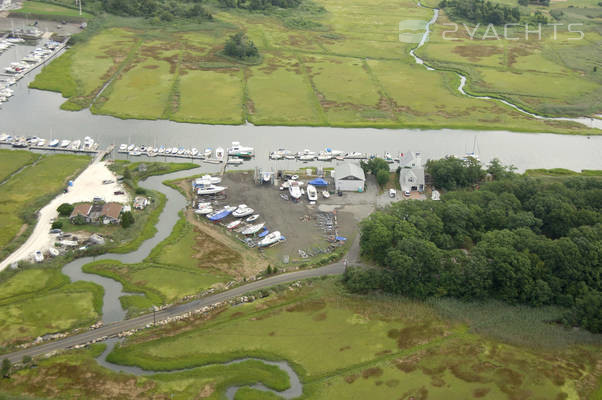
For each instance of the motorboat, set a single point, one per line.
(75, 144)
(53, 252)
(209, 188)
(41, 143)
(194, 152)
(242, 211)
(65, 143)
(207, 179)
(161, 149)
(220, 214)
(38, 256)
(266, 176)
(276, 156)
(307, 157)
(252, 229)
(3, 137)
(270, 239)
(235, 161)
(204, 210)
(219, 153)
(252, 218)
(135, 153)
(131, 147)
(207, 152)
(312, 193)
(88, 142)
(356, 155)
(325, 194)
(294, 190)
(240, 151)
(123, 147)
(53, 143)
(234, 224)
(280, 154)
(203, 205)
(324, 156)
(388, 157)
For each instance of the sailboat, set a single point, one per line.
(270, 239)
(251, 229)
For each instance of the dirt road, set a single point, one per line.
(85, 187)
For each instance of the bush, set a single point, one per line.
(127, 219)
(382, 177)
(65, 209)
(57, 225)
(79, 220)
(239, 46)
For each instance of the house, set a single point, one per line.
(81, 210)
(410, 160)
(111, 213)
(349, 177)
(140, 203)
(412, 179)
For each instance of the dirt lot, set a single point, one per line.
(297, 221)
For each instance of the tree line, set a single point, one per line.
(517, 239)
(481, 11)
(259, 4)
(165, 10)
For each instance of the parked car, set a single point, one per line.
(406, 193)
(118, 192)
(108, 181)
(59, 231)
(392, 192)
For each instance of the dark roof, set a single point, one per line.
(81, 209)
(111, 210)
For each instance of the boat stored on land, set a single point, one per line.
(251, 229)
(312, 193)
(270, 239)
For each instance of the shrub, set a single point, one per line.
(127, 219)
(57, 224)
(65, 209)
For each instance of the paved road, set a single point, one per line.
(141, 321)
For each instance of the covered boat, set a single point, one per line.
(270, 239)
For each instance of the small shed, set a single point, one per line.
(349, 177)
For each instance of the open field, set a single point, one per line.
(339, 65)
(41, 9)
(31, 189)
(38, 301)
(11, 161)
(342, 346)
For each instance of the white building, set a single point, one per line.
(349, 177)
(412, 179)
(410, 160)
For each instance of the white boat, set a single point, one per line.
(234, 161)
(3, 137)
(65, 143)
(54, 143)
(135, 153)
(53, 252)
(276, 156)
(325, 194)
(252, 218)
(194, 152)
(242, 211)
(307, 157)
(75, 144)
(324, 156)
(207, 152)
(123, 147)
(251, 229)
(41, 142)
(356, 155)
(219, 153)
(161, 150)
(211, 179)
(312, 193)
(270, 239)
(266, 176)
(38, 256)
(388, 157)
(88, 142)
(204, 211)
(240, 151)
(209, 188)
(294, 190)
(131, 147)
(234, 224)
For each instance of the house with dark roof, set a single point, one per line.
(81, 210)
(110, 213)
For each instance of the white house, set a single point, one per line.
(349, 177)
(412, 179)
(410, 160)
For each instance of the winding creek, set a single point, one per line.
(33, 112)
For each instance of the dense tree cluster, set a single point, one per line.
(164, 9)
(239, 46)
(481, 11)
(519, 240)
(379, 168)
(259, 4)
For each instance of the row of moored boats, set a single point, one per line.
(234, 154)
(88, 144)
(325, 155)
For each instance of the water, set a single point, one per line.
(295, 389)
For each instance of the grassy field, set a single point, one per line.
(330, 63)
(37, 301)
(29, 190)
(36, 8)
(342, 347)
(12, 161)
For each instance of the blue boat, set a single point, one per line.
(263, 233)
(219, 215)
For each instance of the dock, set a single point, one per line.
(56, 51)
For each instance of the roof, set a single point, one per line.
(81, 209)
(410, 159)
(111, 210)
(349, 170)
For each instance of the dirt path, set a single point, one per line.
(85, 187)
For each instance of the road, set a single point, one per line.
(143, 320)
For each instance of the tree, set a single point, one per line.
(79, 220)
(127, 219)
(57, 224)
(382, 177)
(6, 368)
(65, 209)
(26, 360)
(239, 46)
(523, 3)
(269, 270)
(127, 174)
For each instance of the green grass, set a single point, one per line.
(43, 9)
(247, 393)
(30, 190)
(328, 63)
(11, 161)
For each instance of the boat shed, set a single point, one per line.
(349, 177)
